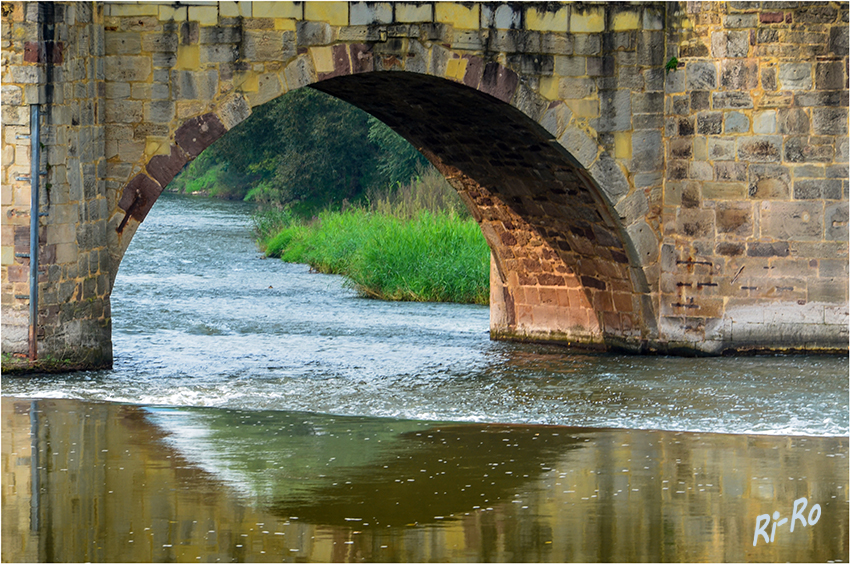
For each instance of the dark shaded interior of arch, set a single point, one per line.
(491, 143)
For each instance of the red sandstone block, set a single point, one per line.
(18, 273)
(771, 17)
(551, 280)
(564, 298)
(548, 296)
(611, 321)
(602, 301)
(623, 302)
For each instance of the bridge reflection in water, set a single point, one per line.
(124, 483)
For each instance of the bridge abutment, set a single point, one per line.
(665, 177)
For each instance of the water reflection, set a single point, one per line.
(107, 482)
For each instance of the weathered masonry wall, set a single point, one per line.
(630, 202)
(755, 190)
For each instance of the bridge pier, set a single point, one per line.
(668, 177)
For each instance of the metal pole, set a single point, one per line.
(34, 181)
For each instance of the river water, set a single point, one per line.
(258, 411)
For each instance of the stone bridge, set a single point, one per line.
(652, 177)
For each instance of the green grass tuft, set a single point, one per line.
(434, 257)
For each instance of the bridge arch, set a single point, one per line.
(564, 264)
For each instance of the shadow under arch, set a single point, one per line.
(563, 267)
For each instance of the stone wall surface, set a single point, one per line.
(631, 201)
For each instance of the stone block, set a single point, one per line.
(795, 76)
(189, 85)
(124, 111)
(830, 76)
(590, 19)
(369, 13)
(549, 18)
(768, 78)
(614, 111)
(580, 145)
(734, 218)
(632, 208)
(720, 149)
(778, 249)
(609, 177)
(199, 133)
(701, 75)
(835, 223)
(204, 15)
(760, 148)
(739, 74)
(827, 291)
(802, 149)
(769, 182)
(838, 40)
(829, 121)
(647, 151)
(764, 122)
(797, 221)
(793, 121)
(161, 111)
(695, 223)
(118, 43)
(817, 189)
(278, 9)
(159, 43)
(733, 44)
(219, 35)
(724, 190)
(682, 194)
(731, 100)
(645, 242)
(460, 16)
(236, 9)
(821, 98)
(587, 44)
(709, 123)
(126, 68)
(502, 16)
(736, 122)
(741, 20)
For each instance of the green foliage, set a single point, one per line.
(306, 151)
(432, 257)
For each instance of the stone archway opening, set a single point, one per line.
(561, 266)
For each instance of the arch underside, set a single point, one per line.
(560, 268)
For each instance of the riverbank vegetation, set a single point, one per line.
(339, 190)
(414, 243)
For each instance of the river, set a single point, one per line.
(259, 411)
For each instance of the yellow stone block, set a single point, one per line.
(458, 15)
(549, 87)
(7, 255)
(284, 24)
(626, 20)
(456, 68)
(622, 145)
(334, 13)
(323, 59)
(543, 20)
(412, 13)
(277, 10)
(140, 9)
(235, 9)
(247, 82)
(157, 146)
(188, 57)
(170, 13)
(591, 20)
(204, 15)
(584, 108)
